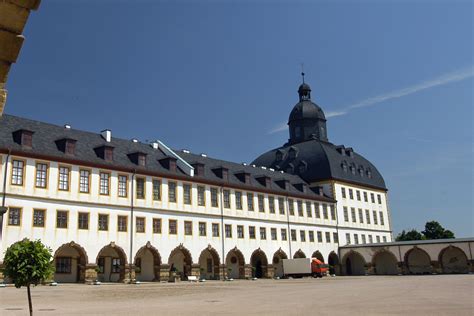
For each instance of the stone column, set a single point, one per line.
(248, 271)
(222, 272)
(91, 273)
(164, 272)
(270, 271)
(196, 270)
(436, 267)
(157, 272)
(370, 269)
(400, 268)
(129, 271)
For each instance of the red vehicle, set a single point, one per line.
(318, 268)
(301, 267)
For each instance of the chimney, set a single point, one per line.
(154, 145)
(107, 135)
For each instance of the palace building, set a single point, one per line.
(114, 209)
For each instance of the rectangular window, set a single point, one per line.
(156, 189)
(172, 227)
(316, 210)
(252, 232)
(325, 211)
(188, 228)
(84, 180)
(83, 221)
(240, 231)
(379, 199)
(250, 201)
(283, 234)
(263, 233)
(140, 188)
(17, 172)
(261, 203)
(293, 234)
(186, 193)
(281, 205)
(366, 199)
(228, 231)
(273, 232)
(384, 239)
(311, 236)
(328, 237)
(103, 222)
(63, 179)
(122, 186)
(302, 235)
(172, 192)
(382, 222)
(378, 239)
(41, 175)
(364, 241)
(116, 265)
(101, 264)
(309, 212)
(226, 194)
(202, 229)
(348, 238)
(361, 216)
(367, 216)
(122, 223)
(335, 237)
(343, 192)
(38, 218)
(371, 239)
(291, 207)
(238, 200)
(351, 194)
(299, 204)
(61, 219)
(215, 230)
(271, 204)
(63, 265)
(353, 214)
(346, 214)
(375, 217)
(320, 236)
(372, 197)
(214, 199)
(157, 226)
(358, 195)
(140, 224)
(333, 212)
(104, 183)
(201, 195)
(14, 216)
(356, 239)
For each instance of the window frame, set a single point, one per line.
(67, 218)
(79, 218)
(20, 214)
(46, 174)
(68, 177)
(119, 177)
(137, 219)
(33, 218)
(105, 185)
(14, 175)
(89, 172)
(99, 217)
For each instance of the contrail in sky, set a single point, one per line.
(438, 81)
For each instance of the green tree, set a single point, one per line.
(27, 263)
(410, 235)
(434, 230)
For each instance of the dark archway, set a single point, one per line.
(209, 264)
(318, 256)
(453, 260)
(111, 262)
(354, 263)
(235, 264)
(385, 263)
(418, 261)
(70, 261)
(333, 262)
(180, 259)
(278, 263)
(147, 263)
(259, 263)
(299, 254)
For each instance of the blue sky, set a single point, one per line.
(220, 77)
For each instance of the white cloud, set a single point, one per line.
(458, 75)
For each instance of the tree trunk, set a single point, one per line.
(29, 300)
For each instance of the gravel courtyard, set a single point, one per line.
(372, 295)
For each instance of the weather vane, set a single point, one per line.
(302, 71)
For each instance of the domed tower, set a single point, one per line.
(307, 120)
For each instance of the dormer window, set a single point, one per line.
(278, 156)
(265, 181)
(221, 172)
(292, 153)
(302, 167)
(198, 169)
(138, 158)
(67, 145)
(284, 184)
(105, 152)
(344, 166)
(23, 137)
(168, 163)
(301, 187)
(369, 173)
(353, 169)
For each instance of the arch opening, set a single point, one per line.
(259, 263)
(299, 254)
(278, 263)
(333, 262)
(209, 264)
(453, 260)
(235, 264)
(111, 262)
(147, 264)
(418, 261)
(354, 264)
(70, 263)
(180, 260)
(318, 256)
(385, 263)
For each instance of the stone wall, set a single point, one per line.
(13, 17)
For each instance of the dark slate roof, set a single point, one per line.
(323, 161)
(44, 144)
(306, 110)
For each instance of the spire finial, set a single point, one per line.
(302, 71)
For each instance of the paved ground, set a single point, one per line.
(372, 295)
